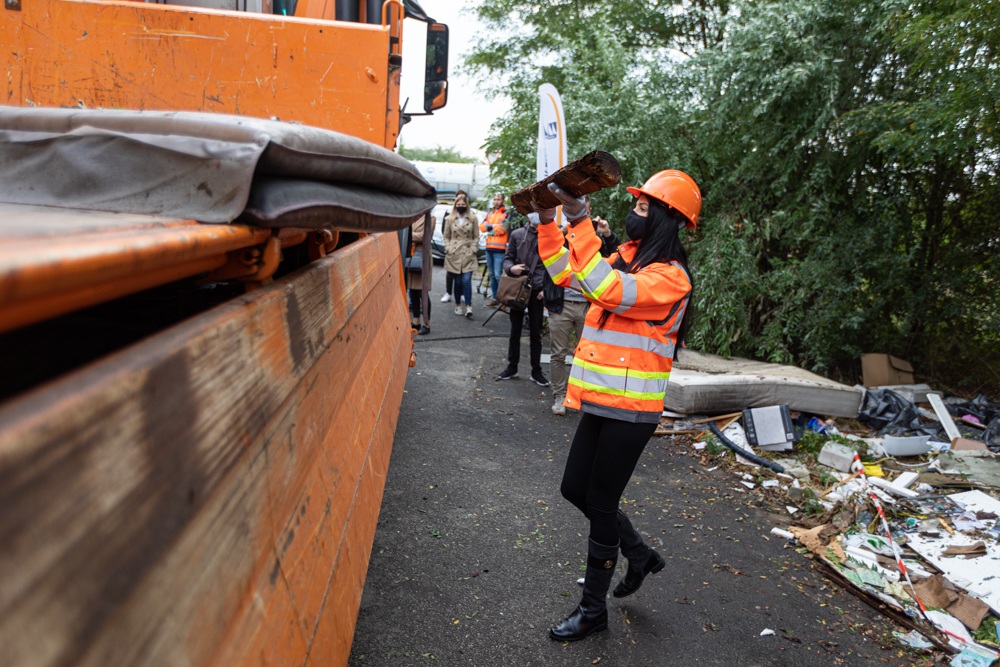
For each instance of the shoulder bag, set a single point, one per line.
(515, 291)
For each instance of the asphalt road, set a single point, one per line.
(476, 553)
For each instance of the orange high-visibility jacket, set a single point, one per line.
(496, 240)
(620, 371)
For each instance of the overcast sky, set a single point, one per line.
(465, 122)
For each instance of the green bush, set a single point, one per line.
(847, 152)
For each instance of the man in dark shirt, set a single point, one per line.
(522, 248)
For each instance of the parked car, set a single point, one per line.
(437, 241)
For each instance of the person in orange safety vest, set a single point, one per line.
(497, 232)
(639, 305)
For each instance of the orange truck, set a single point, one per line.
(196, 419)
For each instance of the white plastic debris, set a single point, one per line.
(749, 485)
(782, 533)
(836, 456)
(906, 480)
(794, 468)
(766, 632)
(791, 510)
(891, 488)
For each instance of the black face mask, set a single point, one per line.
(461, 209)
(635, 224)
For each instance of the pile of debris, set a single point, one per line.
(899, 505)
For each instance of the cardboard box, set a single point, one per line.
(966, 445)
(883, 369)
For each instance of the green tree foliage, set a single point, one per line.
(846, 150)
(436, 154)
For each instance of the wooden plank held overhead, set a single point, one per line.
(209, 496)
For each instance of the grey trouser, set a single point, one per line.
(561, 326)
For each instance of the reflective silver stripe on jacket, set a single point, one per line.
(634, 341)
(630, 292)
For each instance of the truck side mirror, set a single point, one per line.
(436, 74)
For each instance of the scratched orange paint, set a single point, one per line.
(147, 56)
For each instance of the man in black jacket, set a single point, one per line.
(568, 311)
(522, 251)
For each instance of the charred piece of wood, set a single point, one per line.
(594, 171)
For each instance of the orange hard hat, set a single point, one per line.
(675, 189)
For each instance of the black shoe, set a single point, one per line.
(591, 615)
(579, 624)
(508, 374)
(642, 560)
(423, 331)
(539, 379)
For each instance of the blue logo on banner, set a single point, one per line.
(551, 131)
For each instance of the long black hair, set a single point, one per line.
(661, 242)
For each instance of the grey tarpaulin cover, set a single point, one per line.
(203, 167)
(709, 384)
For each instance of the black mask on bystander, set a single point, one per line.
(461, 209)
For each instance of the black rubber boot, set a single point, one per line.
(591, 615)
(642, 560)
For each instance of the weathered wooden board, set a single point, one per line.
(209, 496)
(584, 176)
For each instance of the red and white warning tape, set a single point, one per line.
(895, 549)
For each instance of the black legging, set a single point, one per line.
(416, 304)
(600, 463)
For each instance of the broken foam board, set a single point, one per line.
(978, 576)
(703, 383)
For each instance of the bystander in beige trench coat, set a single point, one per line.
(461, 239)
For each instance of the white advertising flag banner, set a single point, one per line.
(552, 151)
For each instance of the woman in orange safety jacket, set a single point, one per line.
(640, 298)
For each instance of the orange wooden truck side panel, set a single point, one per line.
(209, 496)
(105, 54)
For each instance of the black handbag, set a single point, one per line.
(415, 262)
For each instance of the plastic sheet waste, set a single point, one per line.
(886, 411)
(981, 407)
(991, 436)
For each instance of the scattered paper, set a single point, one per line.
(769, 483)
(791, 510)
(712, 468)
(766, 632)
(699, 445)
(749, 485)
(967, 521)
(952, 625)
(913, 639)
(974, 655)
